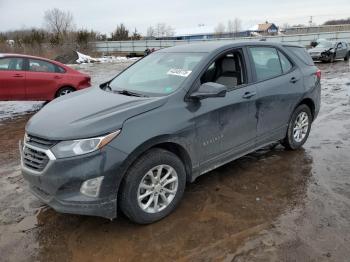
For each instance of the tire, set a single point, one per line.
(141, 173)
(346, 58)
(292, 141)
(64, 91)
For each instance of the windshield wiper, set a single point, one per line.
(128, 93)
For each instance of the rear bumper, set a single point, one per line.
(58, 184)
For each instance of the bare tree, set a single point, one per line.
(219, 30)
(237, 25)
(150, 32)
(285, 26)
(163, 30)
(120, 33)
(59, 22)
(135, 35)
(230, 26)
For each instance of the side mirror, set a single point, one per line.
(105, 86)
(209, 89)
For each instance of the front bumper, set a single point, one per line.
(58, 184)
(321, 56)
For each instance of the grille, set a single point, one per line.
(41, 142)
(34, 159)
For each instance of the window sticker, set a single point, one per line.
(179, 72)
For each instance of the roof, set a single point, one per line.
(22, 55)
(210, 46)
(34, 57)
(265, 26)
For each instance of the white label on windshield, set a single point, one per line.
(179, 72)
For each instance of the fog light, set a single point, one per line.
(91, 187)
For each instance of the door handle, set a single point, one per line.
(17, 75)
(248, 95)
(293, 80)
(57, 77)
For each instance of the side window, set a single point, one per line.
(11, 63)
(228, 70)
(266, 61)
(302, 54)
(286, 64)
(36, 65)
(60, 69)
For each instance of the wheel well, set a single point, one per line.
(58, 90)
(180, 152)
(310, 104)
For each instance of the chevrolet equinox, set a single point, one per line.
(136, 140)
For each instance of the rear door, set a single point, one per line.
(280, 86)
(42, 79)
(12, 78)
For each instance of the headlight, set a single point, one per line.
(82, 146)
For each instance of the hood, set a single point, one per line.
(88, 113)
(319, 49)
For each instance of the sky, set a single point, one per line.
(105, 15)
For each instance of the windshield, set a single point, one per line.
(325, 44)
(157, 74)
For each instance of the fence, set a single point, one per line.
(138, 46)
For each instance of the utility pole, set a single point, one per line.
(310, 21)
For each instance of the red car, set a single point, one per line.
(25, 77)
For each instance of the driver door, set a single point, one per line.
(340, 52)
(226, 126)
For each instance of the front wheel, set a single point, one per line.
(298, 128)
(346, 58)
(153, 186)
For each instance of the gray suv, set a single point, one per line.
(135, 141)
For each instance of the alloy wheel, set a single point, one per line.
(301, 127)
(157, 188)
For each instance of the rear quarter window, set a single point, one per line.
(301, 53)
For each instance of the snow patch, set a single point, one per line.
(12, 109)
(83, 59)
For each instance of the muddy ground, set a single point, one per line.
(272, 205)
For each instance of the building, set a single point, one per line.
(265, 29)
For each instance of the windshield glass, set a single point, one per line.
(157, 74)
(325, 44)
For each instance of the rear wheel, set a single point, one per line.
(64, 91)
(153, 186)
(298, 128)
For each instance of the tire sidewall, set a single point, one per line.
(151, 159)
(59, 93)
(292, 143)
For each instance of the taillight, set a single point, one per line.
(318, 73)
(86, 82)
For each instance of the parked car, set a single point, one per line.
(172, 116)
(25, 77)
(328, 51)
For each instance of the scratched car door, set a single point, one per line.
(226, 125)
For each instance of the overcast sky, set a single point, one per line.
(104, 15)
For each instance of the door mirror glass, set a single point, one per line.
(209, 89)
